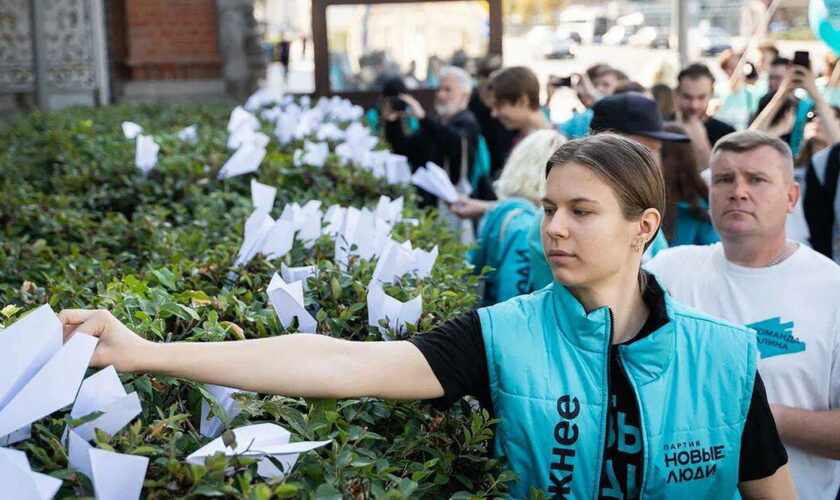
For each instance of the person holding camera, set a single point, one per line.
(597, 82)
(438, 138)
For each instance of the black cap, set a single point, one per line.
(631, 113)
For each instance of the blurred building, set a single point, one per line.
(101, 52)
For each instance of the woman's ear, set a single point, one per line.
(648, 224)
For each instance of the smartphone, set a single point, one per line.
(561, 81)
(802, 58)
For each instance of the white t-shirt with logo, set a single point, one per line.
(794, 306)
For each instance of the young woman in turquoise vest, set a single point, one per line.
(605, 387)
(503, 229)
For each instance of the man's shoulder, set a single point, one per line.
(818, 267)
(682, 254)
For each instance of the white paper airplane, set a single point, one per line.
(287, 299)
(262, 98)
(435, 180)
(302, 274)
(39, 375)
(146, 153)
(117, 476)
(241, 118)
(104, 392)
(262, 195)
(397, 313)
(189, 134)
(20, 482)
(131, 129)
(246, 159)
(388, 210)
(329, 132)
(213, 427)
(313, 153)
(259, 441)
(399, 259)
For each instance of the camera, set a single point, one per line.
(396, 103)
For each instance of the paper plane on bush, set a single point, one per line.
(287, 300)
(246, 159)
(240, 118)
(146, 153)
(20, 482)
(262, 195)
(39, 375)
(399, 259)
(189, 134)
(260, 441)
(115, 476)
(313, 153)
(302, 274)
(131, 130)
(103, 392)
(213, 427)
(264, 235)
(398, 314)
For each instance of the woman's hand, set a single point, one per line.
(470, 208)
(117, 345)
(801, 76)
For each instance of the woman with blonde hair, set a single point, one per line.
(503, 230)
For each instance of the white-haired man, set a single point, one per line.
(788, 293)
(439, 138)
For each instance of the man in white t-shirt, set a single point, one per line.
(787, 292)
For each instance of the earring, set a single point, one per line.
(637, 246)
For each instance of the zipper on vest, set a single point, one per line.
(641, 422)
(603, 440)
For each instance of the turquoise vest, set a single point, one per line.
(503, 245)
(548, 367)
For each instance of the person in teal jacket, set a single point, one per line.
(603, 385)
(686, 220)
(502, 239)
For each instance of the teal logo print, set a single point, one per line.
(776, 338)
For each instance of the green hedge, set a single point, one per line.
(82, 228)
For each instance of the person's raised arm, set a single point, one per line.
(778, 486)
(307, 365)
(763, 122)
(805, 78)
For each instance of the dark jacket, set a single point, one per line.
(439, 143)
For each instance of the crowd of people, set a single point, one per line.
(661, 317)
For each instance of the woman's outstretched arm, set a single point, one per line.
(292, 365)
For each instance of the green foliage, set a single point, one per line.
(80, 227)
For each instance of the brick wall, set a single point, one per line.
(165, 39)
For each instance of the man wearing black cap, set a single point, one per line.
(633, 115)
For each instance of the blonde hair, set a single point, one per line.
(524, 173)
